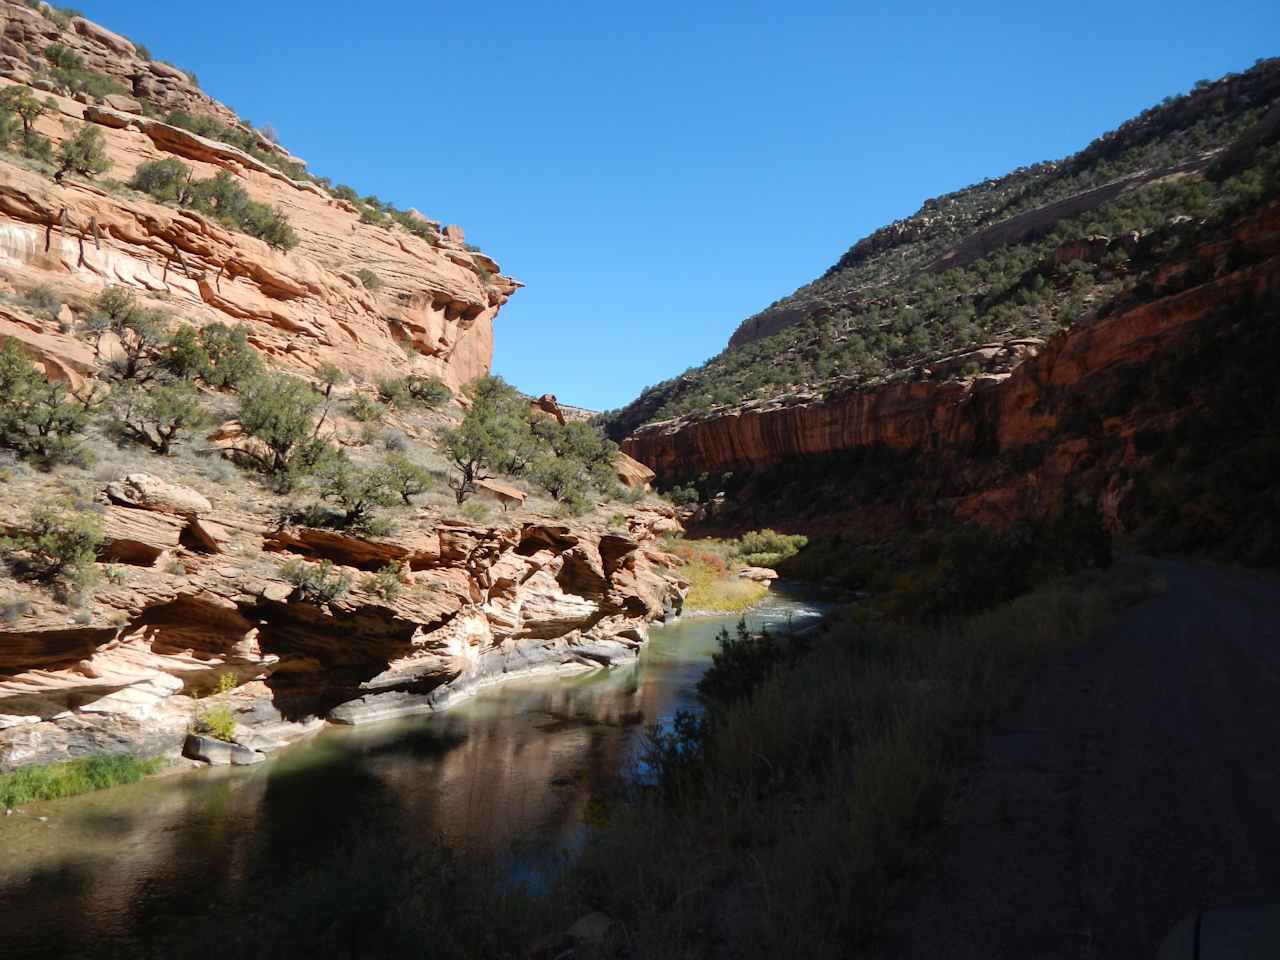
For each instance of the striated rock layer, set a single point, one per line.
(433, 308)
(476, 604)
(971, 429)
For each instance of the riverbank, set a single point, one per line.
(54, 781)
(444, 822)
(789, 822)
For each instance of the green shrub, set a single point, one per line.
(316, 582)
(329, 375)
(168, 180)
(80, 80)
(406, 478)
(22, 102)
(743, 661)
(414, 390)
(364, 408)
(59, 542)
(563, 478)
(139, 333)
(358, 492)
(36, 146)
(475, 511)
(216, 354)
(217, 720)
(368, 278)
(280, 410)
(156, 415)
(232, 362)
(220, 197)
(37, 419)
(583, 444)
(184, 355)
(85, 154)
(684, 496)
(385, 583)
(494, 436)
(63, 57)
(419, 228)
(57, 780)
(768, 548)
(245, 140)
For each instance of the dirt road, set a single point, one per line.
(1139, 781)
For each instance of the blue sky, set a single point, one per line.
(658, 172)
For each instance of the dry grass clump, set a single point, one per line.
(711, 567)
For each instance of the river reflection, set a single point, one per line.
(510, 773)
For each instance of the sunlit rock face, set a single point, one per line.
(434, 305)
(475, 604)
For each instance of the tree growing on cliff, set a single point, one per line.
(493, 436)
(407, 478)
(280, 411)
(22, 102)
(414, 390)
(358, 492)
(157, 416)
(138, 333)
(169, 180)
(85, 154)
(58, 543)
(218, 355)
(38, 419)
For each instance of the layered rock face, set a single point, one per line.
(202, 595)
(432, 311)
(972, 431)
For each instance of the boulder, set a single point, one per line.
(147, 492)
(547, 404)
(219, 753)
(504, 493)
(758, 574)
(118, 101)
(632, 473)
(102, 36)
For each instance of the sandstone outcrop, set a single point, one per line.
(477, 604)
(434, 308)
(146, 492)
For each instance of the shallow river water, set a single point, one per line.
(511, 774)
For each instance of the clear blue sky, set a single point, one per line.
(657, 172)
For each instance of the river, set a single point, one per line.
(514, 775)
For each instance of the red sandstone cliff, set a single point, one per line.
(969, 423)
(303, 308)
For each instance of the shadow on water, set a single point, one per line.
(297, 855)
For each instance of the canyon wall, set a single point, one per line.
(971, 427)
(199, 594)
(431, 312)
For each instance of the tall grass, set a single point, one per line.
(55, 780)
(788, 823)
(712, 569)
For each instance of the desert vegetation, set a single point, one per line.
(67, 69)
(886, 309)
(220, 197)
(57, 545)
(82, 152)
(57, 780)
(500, 436)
